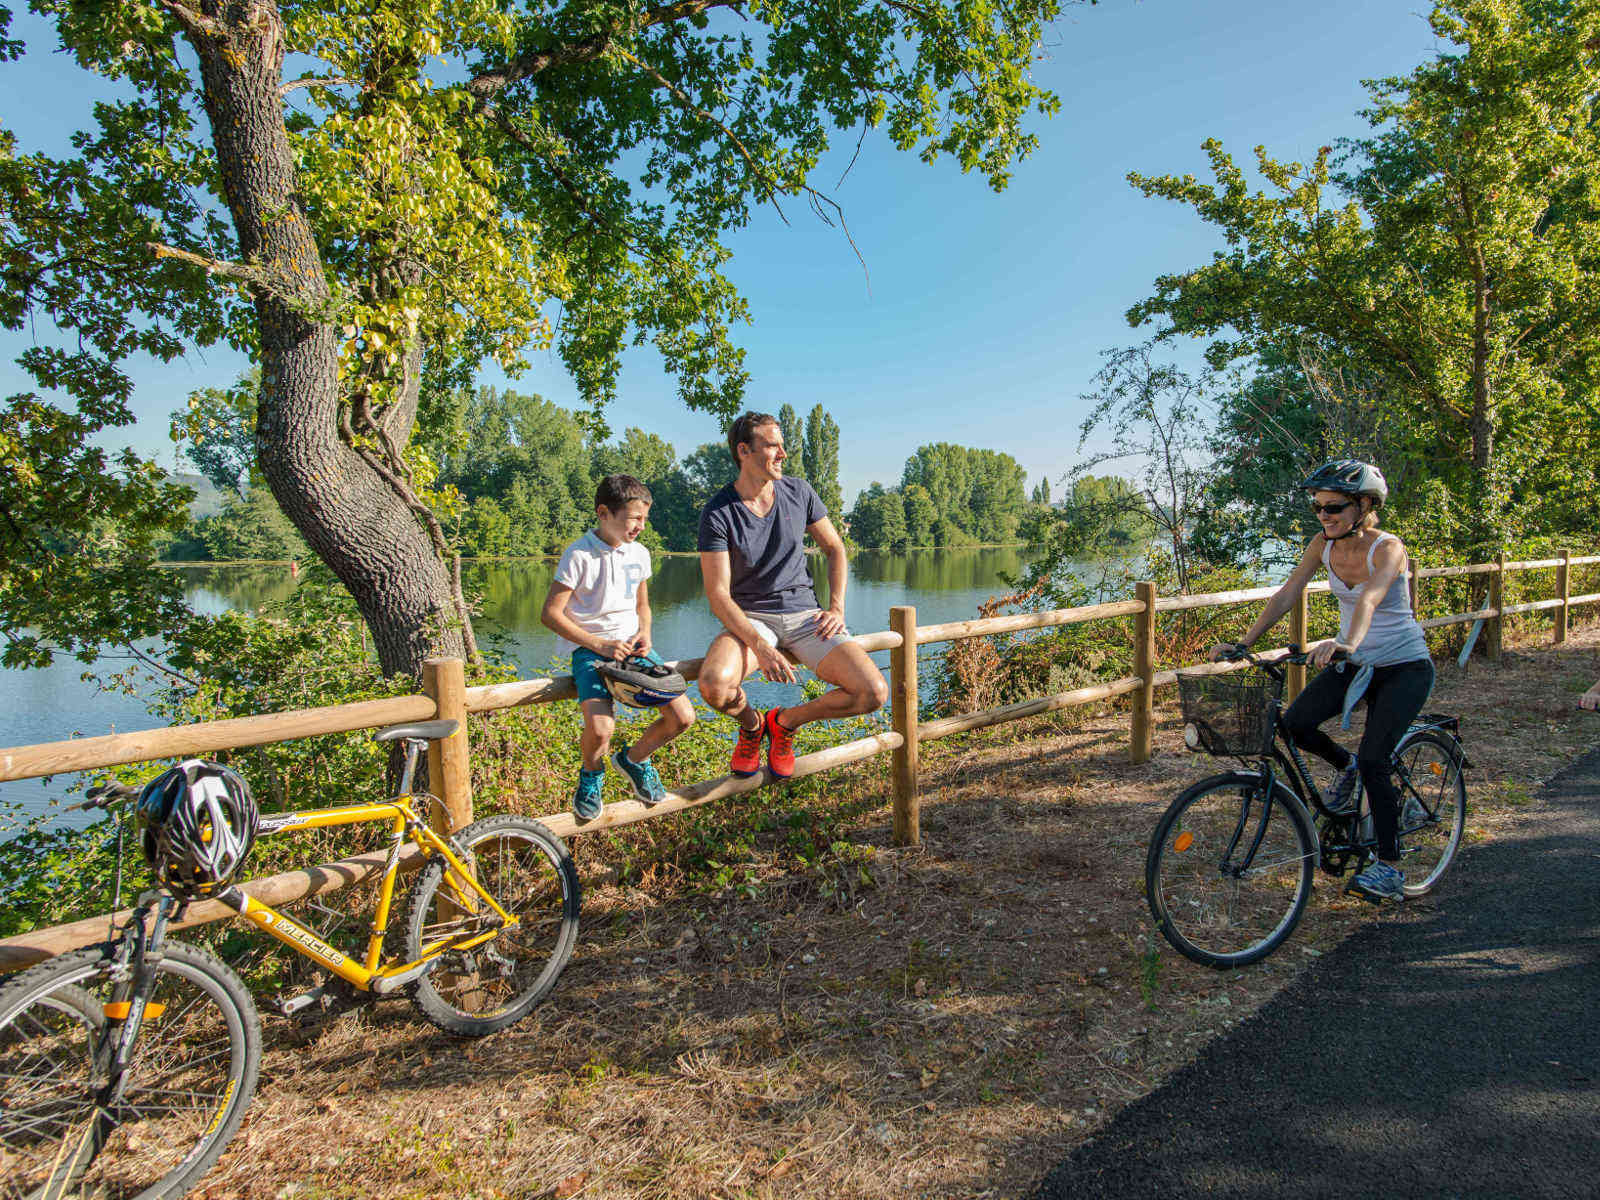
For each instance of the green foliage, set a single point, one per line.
(251, 526)
(1441, 269)
(822, 460)
(949, 495)
(216, 432)
(794, 442)
(1152, 413)
(878, 519)
(79, 530)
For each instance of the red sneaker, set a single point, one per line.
(747, 752)
(780, 745)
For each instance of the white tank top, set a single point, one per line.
(1394, 635)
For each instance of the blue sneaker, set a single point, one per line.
(1340, 794)
(647, 787)
(1380, 881)
(586, 801)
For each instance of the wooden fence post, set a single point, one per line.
(444, 680)
(1299, 626)
(904, 703)
(1563, 593)
(1495, 627)
(1142, 731)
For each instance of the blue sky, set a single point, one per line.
(986, 314)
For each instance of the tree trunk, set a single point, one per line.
(354, 520)
(1488, 532)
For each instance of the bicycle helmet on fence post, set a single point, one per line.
(640, 683)
(197, 823)
(1349, 476)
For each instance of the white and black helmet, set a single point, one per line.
(197, 823)
(1350, 476)
(641, 682)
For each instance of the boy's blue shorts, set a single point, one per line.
(590, 685)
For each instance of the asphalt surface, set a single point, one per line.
(1451, 1051)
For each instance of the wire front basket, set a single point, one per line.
(1229, 716)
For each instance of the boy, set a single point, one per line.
(600, 606)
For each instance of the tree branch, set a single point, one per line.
(489, 83)
(213, 266)
(311, 81)
(195, 23)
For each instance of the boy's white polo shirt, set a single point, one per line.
(605, 583)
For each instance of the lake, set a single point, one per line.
(944, 585)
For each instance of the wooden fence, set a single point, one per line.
(445, 695)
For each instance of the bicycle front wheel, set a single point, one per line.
(1229, 869)
(67, 1128)
(1433, 807)
(529, 872)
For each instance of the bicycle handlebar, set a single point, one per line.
(1296, 657)
(104, 795)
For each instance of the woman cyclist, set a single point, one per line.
(1388, 665)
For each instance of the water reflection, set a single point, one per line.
(944, 585)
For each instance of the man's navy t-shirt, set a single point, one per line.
(766, 554)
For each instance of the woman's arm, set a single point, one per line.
(1284, 598)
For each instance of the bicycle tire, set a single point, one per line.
(184, 1091)
(1209, 911)
(1433, 806)
(529, 872)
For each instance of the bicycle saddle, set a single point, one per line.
(427, 731)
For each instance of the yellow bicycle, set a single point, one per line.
(125, 1068)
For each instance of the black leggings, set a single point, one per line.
(1394, 698)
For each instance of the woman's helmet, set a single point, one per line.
(1350, 476)
(197, 822)
(641, 682)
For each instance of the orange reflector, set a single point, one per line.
(117, 1010)
(1436, 768)
(1183, 841)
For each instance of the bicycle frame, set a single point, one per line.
(370, 975)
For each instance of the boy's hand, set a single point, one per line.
(613, 649)
(773, 665)
(641, 644)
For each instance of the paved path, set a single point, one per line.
(1452, 1052)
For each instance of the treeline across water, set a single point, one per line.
(513, 475)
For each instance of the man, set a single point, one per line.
(752, 558)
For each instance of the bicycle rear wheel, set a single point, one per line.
(529, 872)
(1229, 869)
(63, 1131)
(1433, 807)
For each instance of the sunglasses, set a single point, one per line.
(1332, 510)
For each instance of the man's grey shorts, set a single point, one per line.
(797, 633)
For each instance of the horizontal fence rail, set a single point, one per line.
(446, 696)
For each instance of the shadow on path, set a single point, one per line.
(1453, 1053)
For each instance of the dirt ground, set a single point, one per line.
(948, 1020)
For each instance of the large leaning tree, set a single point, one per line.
(1450, 260)
(373, 200)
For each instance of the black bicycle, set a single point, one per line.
(1230, 868)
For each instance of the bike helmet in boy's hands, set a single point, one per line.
(641, 683)
(198, 822)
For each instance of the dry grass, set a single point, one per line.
(944, 1021)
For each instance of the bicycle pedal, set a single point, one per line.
(319, 996)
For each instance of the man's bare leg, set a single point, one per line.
(858, 687)
(727, 664)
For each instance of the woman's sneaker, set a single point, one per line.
(747, 750)
(586, 801)
(1339, 798)
(646, 783)
(1380, 881)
